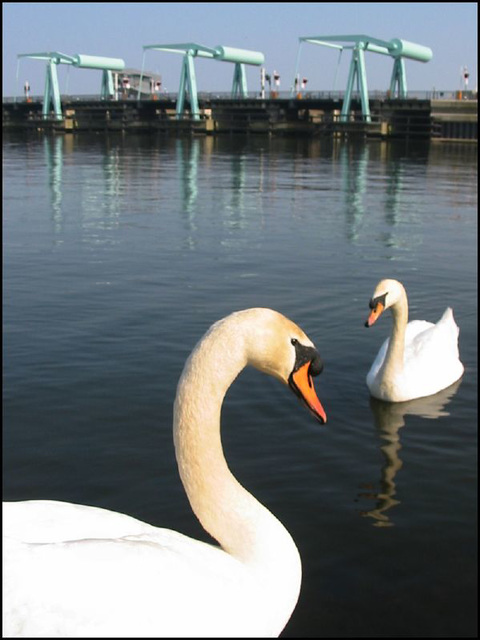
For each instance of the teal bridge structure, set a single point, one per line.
(187, 98)
(397, 49)
(188, 80)
(51, 96)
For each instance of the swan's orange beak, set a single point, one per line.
(302, 384)
(375, 313)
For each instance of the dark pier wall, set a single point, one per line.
(422, 119)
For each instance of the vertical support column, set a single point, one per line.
(239, 86)
(46, 93)
(357, 72)
(362, 81)
(107, 90)
(188, 82)
(352, 72)
(52, 92)
(399, 77)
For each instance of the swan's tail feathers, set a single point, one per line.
(451, 332)
(448, 318)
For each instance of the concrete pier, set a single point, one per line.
(407, 119)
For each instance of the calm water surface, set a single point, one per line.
(118, 255)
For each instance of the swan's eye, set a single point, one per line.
(294, 341)
(379, 299)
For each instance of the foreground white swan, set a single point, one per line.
(78, 571)
(420, 358)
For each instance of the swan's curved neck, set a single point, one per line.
(244, 528)
(396, 349)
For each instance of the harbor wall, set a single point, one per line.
(394, 118)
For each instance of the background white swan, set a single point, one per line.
(79, 571)
(420, 358)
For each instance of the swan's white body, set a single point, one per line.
(79, 571)
(420, 358)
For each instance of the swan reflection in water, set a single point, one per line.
(389, 417)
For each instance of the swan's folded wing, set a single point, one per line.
(435, 342)
(431, 358)
(130, 587)
(44, 521)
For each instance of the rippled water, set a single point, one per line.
(120, 252)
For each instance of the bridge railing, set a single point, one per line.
(434, 94)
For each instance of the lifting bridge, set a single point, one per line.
(51, 96)
(188, 81)
(359, 44)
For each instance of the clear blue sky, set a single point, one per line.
(120, 30)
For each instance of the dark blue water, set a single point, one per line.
(119, 252)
